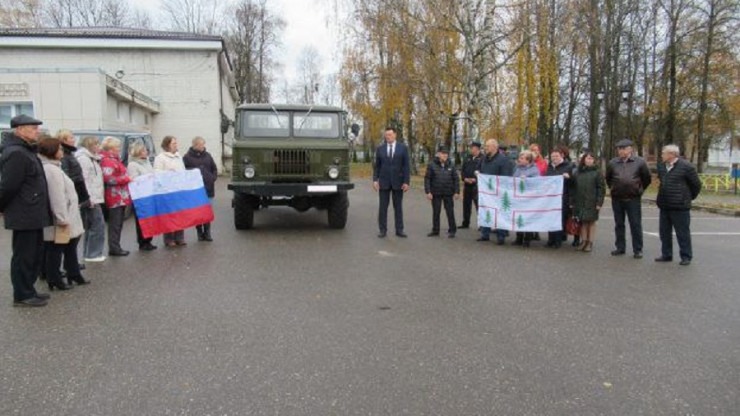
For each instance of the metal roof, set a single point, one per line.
(105, 32)
(288, 107)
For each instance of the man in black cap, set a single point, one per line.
(470, 182)
(441, 184)
(627, 176)
(24, 201)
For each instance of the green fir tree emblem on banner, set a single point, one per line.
(489, 217)
(506, 202)
(522, 186)
(520, 221)
(490, 184)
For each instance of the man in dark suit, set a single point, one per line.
(391, 179)
(24, 201)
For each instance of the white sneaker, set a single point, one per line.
(94, 259)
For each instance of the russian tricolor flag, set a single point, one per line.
(170, 201)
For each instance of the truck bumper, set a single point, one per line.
(290, 189)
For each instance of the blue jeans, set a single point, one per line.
(485, 233)
(94, 223)
(632, 208)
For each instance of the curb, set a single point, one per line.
(714, 210)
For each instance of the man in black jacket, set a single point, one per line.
(470, 182)
(495, 163)
(627, 176)
(441, 184)
(24, 201)
(679, 185)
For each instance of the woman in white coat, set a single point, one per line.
(170, 160)
(92, 215)
(66, 213)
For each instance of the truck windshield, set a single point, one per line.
(266, 124)
(323, 125)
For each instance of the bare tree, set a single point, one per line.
(309, 73)
(23, 13)
(193, 16)
(252, 35)
(718, 15)
(89, 13)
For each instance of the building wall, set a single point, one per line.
(62, 99)
(187, 84)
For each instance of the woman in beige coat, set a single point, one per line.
(67, 221)
(170, 160)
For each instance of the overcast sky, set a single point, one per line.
(306, 25)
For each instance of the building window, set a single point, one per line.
(10, 110)
(119, 111)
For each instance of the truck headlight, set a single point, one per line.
(249, 172)
(333, 172)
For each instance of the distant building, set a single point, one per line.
(166, 83)
(724, 152)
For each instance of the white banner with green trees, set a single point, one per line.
(520, 204)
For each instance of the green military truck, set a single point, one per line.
(294, 155)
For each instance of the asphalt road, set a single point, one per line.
(293, 318)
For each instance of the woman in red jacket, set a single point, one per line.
(117, 196)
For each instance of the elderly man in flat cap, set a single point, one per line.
(24, 202)
(442, 186)
(627, 176)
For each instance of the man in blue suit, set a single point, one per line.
(391, 179)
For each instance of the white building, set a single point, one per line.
(724, 152)
(165, 83)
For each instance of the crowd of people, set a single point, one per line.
(626, 177)
(54, 194)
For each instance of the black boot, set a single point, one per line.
(207, 232)
(201, 234)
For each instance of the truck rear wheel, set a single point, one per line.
(243, 211)
(337, 210)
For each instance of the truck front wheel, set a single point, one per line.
(337, 210)
(243, 211)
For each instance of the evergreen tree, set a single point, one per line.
(520, 222)
(506, 202)
(490, 184)
(489, 218)
(522, 186)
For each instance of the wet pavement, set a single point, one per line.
(293, 318)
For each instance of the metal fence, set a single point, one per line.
(714, 182)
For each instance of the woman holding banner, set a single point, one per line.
(199, 158)
(139, 165)
(558, 166)
(525, 168)
(170, 160)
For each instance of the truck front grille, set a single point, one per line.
(292, 162)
